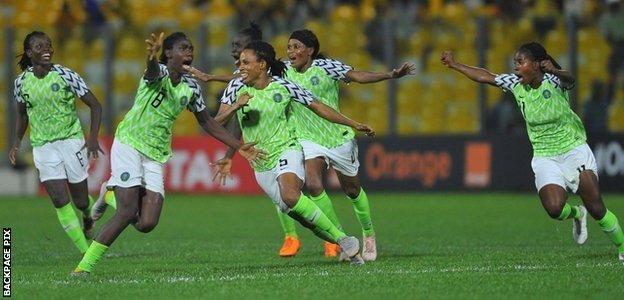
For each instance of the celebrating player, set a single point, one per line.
(45, 94)
(142, 142)
(325, 143)
(562, 160)
(265, 119)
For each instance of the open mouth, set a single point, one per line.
(46, 56)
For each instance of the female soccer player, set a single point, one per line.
(265, 119)
(562, 160)
(291, 243)
(325, 143)
(45, 94)
(142, 142)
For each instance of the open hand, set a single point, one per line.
(251, 153)
(197, 73)
(405, 69)
(369, 131)
(154, 44)
(13, 155)
(221, 169)
(93, 148)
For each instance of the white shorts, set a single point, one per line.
(343, 158)
(564, 169)
(131, 168)
(63, 159)
(291, 161)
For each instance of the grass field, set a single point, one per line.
(430, 246)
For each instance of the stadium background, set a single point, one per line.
(437, 130)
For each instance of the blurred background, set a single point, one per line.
(438, 130)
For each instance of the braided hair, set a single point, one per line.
(264, 51)
(24, 61)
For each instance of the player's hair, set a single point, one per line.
(253, 31)
(168, 43)
(264, 51)
(309, 39)
(537, 52)
(24, 61)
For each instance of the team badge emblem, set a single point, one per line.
(184, 101)
(546, 94)
(125, 176)
(55, 87)
(277, 98)
(314, 80)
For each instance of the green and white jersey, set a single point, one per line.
(322, 78)
(148, 126)
(50, 104)
(265, 117)
(552, 126)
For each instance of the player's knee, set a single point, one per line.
(82, 204)
(291, 197)
(352, 191)
(554, 211)
(146, 227)
(315, 187)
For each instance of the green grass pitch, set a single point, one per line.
(443, 245)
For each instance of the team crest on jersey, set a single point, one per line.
(55, 87)
(184, 100)
(125, 176)
(546, 94)
(277, 98)
(314, 80)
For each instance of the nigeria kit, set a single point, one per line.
(143, 139)
(320, 137)
(55, 132)
(264, 119)
(560, 151)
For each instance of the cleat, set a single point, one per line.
(343, 257)
(357, 260)
(579, 226)
(290, 247)
(78, 272)
(331, 250)
(369, 253)
(100, 205)
(349, 245)
(621, 257)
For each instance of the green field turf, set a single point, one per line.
(430, 246)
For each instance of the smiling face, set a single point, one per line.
(40, 51)
(180, 54)
(298, 54)
(250, 67)
(526, 68)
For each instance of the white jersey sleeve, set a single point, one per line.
(296, 92)
(507, 81)
(334, 69)
(197, 103)
(73, 80)
(17, 88)
(231, 91)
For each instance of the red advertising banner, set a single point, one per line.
(188, 170)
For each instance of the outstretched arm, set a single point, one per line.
(153, 46)
(370, 77)
(333, 116)
(207, 77)
(92, 144)
(474, 73)
(21, 123)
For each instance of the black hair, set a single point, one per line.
(24, 61)
(309, 39)
(537, 52)
(266, 52)
(253, 32)
(168, 43)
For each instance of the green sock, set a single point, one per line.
(109, 198)
(325, 204)
(313, 214)
(69, 220)
(362, 211)
(569, 212)
(92, 256)
(288, 224)
(611, 227)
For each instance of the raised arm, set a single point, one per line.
(476, 74)
(333, 116)
(566, 78)
(153, 46)
(92, 144)
(21, 123)
(370, 77)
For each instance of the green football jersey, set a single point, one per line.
(50, 104)
(322, 78)
(148, 126)
(265, 119)
(552, 126)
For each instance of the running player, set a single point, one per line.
(325, 143)
(562, 160)
(142, 142)
(45, 94)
